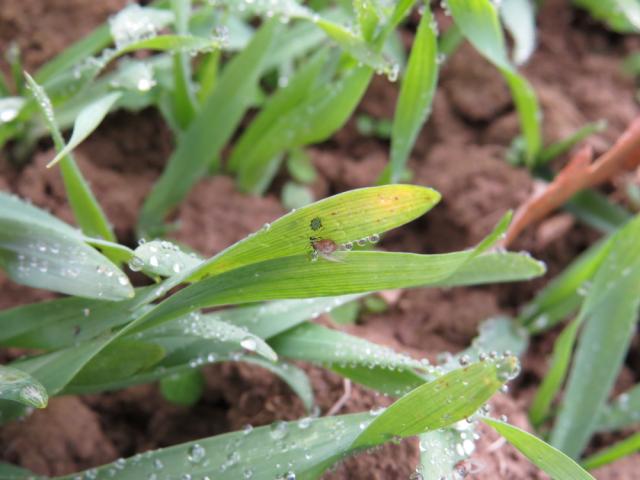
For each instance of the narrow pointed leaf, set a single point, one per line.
(616, 451)
(208, 327)
(86, 208)
(321, 345)
(416, 94)
(38, 250)
(550, 460)
(89, 118)
(343, 218)
(610, 313)
(210, 130)
(479, 23)
(446, 400)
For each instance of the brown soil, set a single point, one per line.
(576, 73)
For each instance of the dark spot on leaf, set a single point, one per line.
(316, 224)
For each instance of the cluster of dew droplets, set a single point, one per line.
(66, 262)
(131, 24)
(211, 327)
(285, 10)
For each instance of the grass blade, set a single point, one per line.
(552, 461)
(62, 322)
(210, 130)
(19, 386)
(320, 345)
(86, 122)
(315, 444)
(446, 400)
(555, 376)
(479, 23)
(562, 295)
(311, 119)
(347, 217)
(184, 101)
(618, 450)
(86, 208)
(610, 312)
(416, 94)
(39, 250)
(208, 327)
(297, 277)
(279, 104)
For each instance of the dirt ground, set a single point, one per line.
(576, 73)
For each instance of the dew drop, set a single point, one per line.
(249, 343)
(136, 264)
(196, 453)
(278, 430)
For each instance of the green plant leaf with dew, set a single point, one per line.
(479, 23)
(609, 315)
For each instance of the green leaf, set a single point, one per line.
(271, 318)
(184, 388)
(552, 461)
(209, 327)
(268, 122)
(297, 277)
(343, 218)
(618, 450)
(89, 118)
(297, 121)
(367, 18)
(610, 312)
(355, 46)
(315, 444)
(184, 100)
(119, 360)
(62, 322)
(596, 210)
(86, 208)
(622, 412)
(416, 94)
(479, 23)
(519, 18)
(40, 251)
(314, 343)
(555, 376)
(446, 400)
(562, 295)
(563, 146)
(210, 130)
(163, 258)
(620, 15)
(20, 387)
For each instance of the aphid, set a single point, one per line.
(324, 247)
(316, 224)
